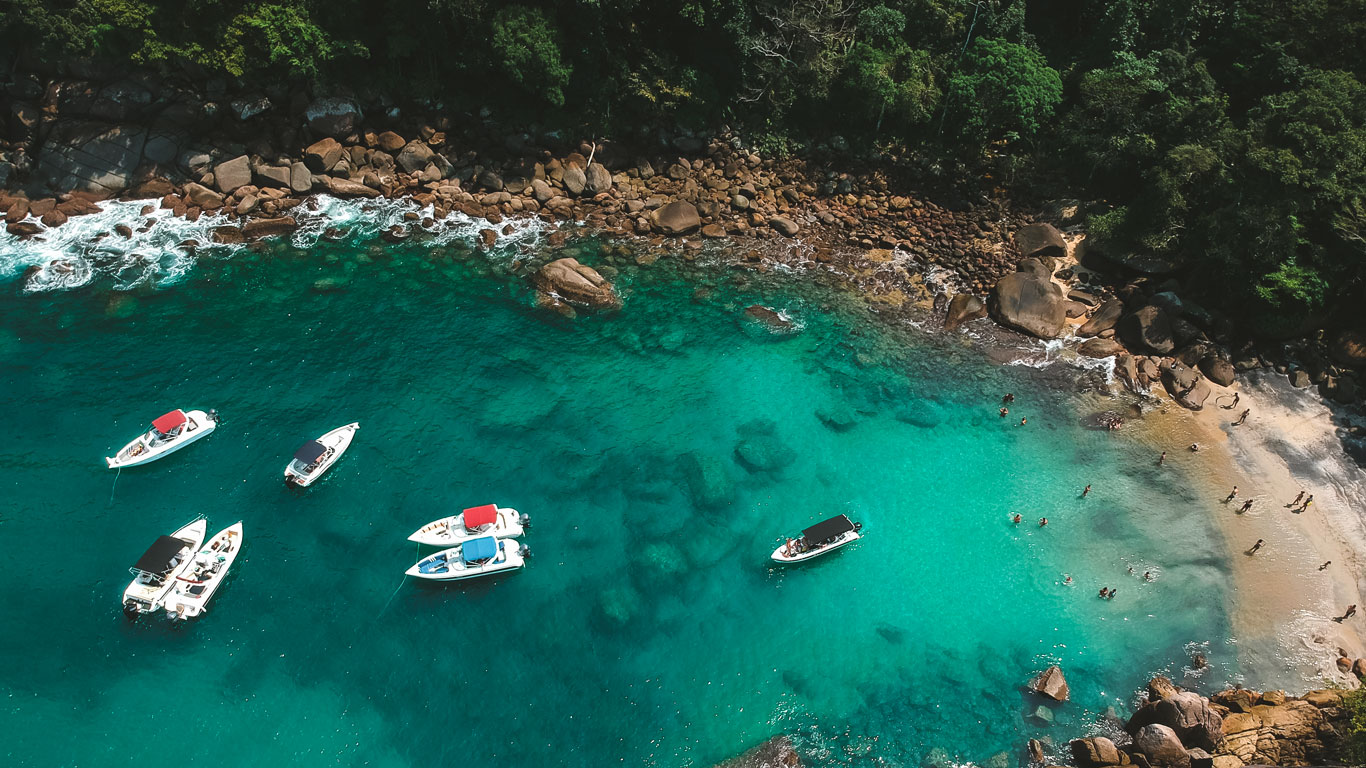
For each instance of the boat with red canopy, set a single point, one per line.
(169, 433)
(318, 456)
(487, 520)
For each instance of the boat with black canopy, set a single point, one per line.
(484, 556)
(169, 433)
(318, 456)
(472, 523)
(825, 536)
(155, 572)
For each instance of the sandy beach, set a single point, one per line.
(1284, 604)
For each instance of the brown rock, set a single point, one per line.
(784, 226)
(1161, 746)
(1094, 752)
(713, 231)
(259, 228)
(1219, 370)
(54, 218)
(1161, 687)
(577, 284)
(40, 207)
(1185, 385)
(777, 752)
(1050, 683)
(231, 174)
(348, 188)
(203, 197)
(963, 307)
(676, 218)
(1029, 305)
(228, 235)
(1149, 329)
(1349, 348)
(390, 142)
(23, 228)
(1099, 348)
(1040, 240)
(322, 155)
(300, 178)
(597, 179)
(153, 187)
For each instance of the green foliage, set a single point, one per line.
(527, 47)
(1354, 702)
(1004, 91)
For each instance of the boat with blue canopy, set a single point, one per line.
(483, 556)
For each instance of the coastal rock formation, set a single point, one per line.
(92, 156)
(576, 284)
(322, 155)
(676, 218)
(777, 752)
(1148, 329)
(1349, 348)
(1219, 370)
(334, 117)
(230, 175)
(963, 307)
(1098, 348)
(1188, 714)
(770, 318)
(1104, 318)
(1050, 683)
(1273, 729)
(1185, 385)
(1161, 746)
(259, 228)
(596, 179)
(348, 188)
(1040, 240)
(1029, 304)
(1095, 752)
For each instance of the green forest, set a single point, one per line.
(1227, 136)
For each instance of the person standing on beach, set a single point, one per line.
(1326, 563)
(1297, 500)
(1162, 459)
(1307, 502)
(1235, 401)
(1231, 494)
(1351, 611)
(1246, 506)
(1085, 491)
(1242, 418)
(1256, 546)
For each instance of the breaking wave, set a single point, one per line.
(156, 247)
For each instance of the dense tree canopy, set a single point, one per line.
(1227, 137)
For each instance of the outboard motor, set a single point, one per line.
(213, 415)
(526, 520)
(526, 551)
(858, 527)
(130, 609)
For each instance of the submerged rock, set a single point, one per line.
(576, 284)
(763, 453)
(838, 417)
(926, 414)
(777, 752)
(770, 318)
(709, 481)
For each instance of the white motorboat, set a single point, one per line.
(155, 572)
(208, 569)
(318, 456)
(168, 434)
(825, 536)
(488, 520)
(477, 557)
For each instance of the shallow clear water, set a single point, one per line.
(649, 627)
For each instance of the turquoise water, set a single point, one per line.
(649, 627)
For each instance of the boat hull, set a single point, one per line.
(213, 560)
(203, 425)
(510, 558)
(451, 531)
(338, 440)
(142, 597)
(846, 538)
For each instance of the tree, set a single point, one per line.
(526, 45)
(1004, 91)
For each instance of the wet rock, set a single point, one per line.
(347, 188)
(228, 235)
(23, 228)
(333, 116)
(1189, 715)
(676, 218)
(963, 307)
(272, 176)
(1040, 240)
(1161, 687)
(203, 197)
(770, 318)
(1040, 715)
(713, 231)
(414, 156)
(229, 175)
(1029, 304)
(259, 228)
(1099, 348)
(1219, 370)
(577, 284)
(300, 178)
(1148, 329)
(1050, 683)
(53, 218)
(777, 752)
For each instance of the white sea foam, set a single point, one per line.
(163, 247)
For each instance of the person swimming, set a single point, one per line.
(1104, 592)
(1005, 412)
(1043, 521)
(1017, 518)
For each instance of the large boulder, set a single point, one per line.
(1219, 370)
(415, 156)
(784, 226)
(1099, 348)
(91, 156)
(597, 179)
(334, 117)
(777, 752)
(962, 308)
(322, 154)
(1161, 746)
(1094, 752)
(203, 197)
(1050, 683)
(1029, 304)
(300, 178)
(259, 228)
(1040, 240)
(676, 218)
(230, 175)
(576, 284)
(1185, 386)
(1150, 329)
(1104, 318)
(575, 180)
(347, 188)
(1349, 348)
